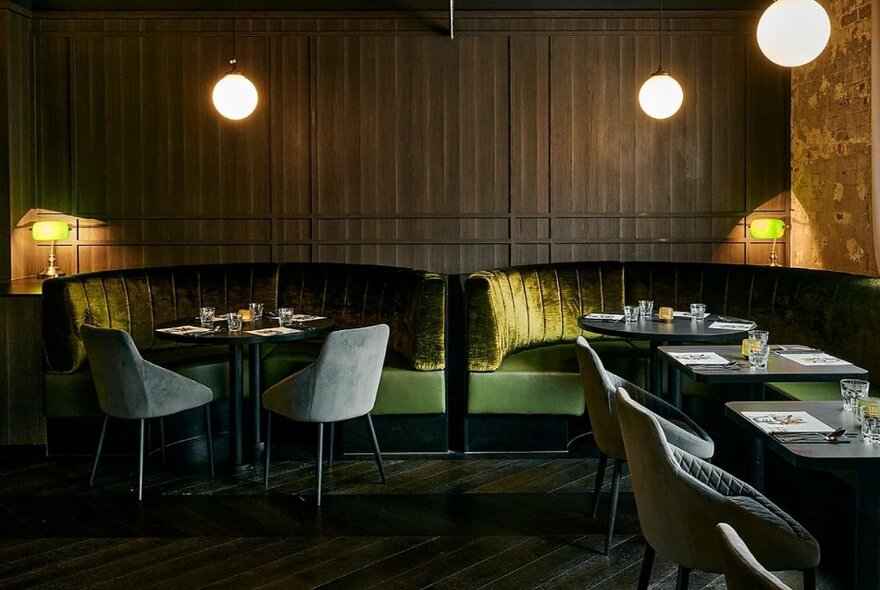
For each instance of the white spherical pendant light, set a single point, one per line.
(235, 97)
(792, 33)
(661, 95)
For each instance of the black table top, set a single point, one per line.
(307, 330)
(778, 368)
(678, 330)
(852, 455)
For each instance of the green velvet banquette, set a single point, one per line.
(411, 302)
(522, 321)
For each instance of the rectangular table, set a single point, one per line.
(861, 458)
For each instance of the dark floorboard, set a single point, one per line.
(441, 523)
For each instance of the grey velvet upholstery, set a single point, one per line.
(741, 570)
(681, 498)
(342, 384)
(600, 387)
(132, 388)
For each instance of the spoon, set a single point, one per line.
(835, 435)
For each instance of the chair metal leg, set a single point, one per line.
(810, 579)
(332, 444)
(684, 576)
(376, 452)
(162, 437)
(98, 453)
(647, 566)
(320, 461)
(210, 437)
(268, 449)
(600, 479)
(612, 506)
(141, 464)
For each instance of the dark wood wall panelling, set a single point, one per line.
(380, 140)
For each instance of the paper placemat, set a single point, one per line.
(303, 317)
(741, 326)
(279, 331)
(816, 359)
(699, 358)
(787, 422)
(682, 314)
(185, 330)
(614, 317)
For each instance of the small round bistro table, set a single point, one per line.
(661, 333)
(237, 341)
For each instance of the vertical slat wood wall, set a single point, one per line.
(378, 139)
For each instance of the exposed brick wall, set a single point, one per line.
(831, 148)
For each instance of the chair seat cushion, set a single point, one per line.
(546, 379)
(402, 389)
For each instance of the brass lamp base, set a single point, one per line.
(52, 271)
(774, 259)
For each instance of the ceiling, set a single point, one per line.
(461, 5)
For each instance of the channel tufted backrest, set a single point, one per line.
(411, 302)
(136, 300)
(511, 309)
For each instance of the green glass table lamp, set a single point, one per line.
(768, 229)
(50, 231)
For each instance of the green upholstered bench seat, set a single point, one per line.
(545, 379)
(72, 395)
(401, 390)
(809, 392)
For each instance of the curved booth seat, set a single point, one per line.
(522, 323)
(411, 302)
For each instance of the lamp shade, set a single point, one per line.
(661, 96)
(792, 33)
(235, 97)
(767, 229)
(49, 231)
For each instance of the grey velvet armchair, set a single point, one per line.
(342, 384)
(680, 499)
(741, 570)
(600, 387)
(132, 388)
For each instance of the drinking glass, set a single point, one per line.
(762, 335)
(285, 316)
(631, 313)
(256, 310)
(852, 390)
(206, 316)
(234, 322)
(646, 308)
(758, 354)
(869, 416)
(698, 311)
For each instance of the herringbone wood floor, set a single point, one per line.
(442, 523)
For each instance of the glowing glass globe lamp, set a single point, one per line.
(234, 96)
(661, 95)
(792, 33)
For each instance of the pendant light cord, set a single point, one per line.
(233, 62)
(660, 35)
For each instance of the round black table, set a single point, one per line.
(237, 341)
(660, 333)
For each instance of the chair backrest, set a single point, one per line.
(599, 392)
(741, 570)
(118, 371)
(347, 373)
(677, 513)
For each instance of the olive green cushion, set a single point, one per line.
(70, 395)
(401, 389)
(546, 379)
(807, 392)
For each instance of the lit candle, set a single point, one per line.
(246, 315)
(665, 314)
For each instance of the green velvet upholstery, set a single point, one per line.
(411, 302)
(511, 310)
